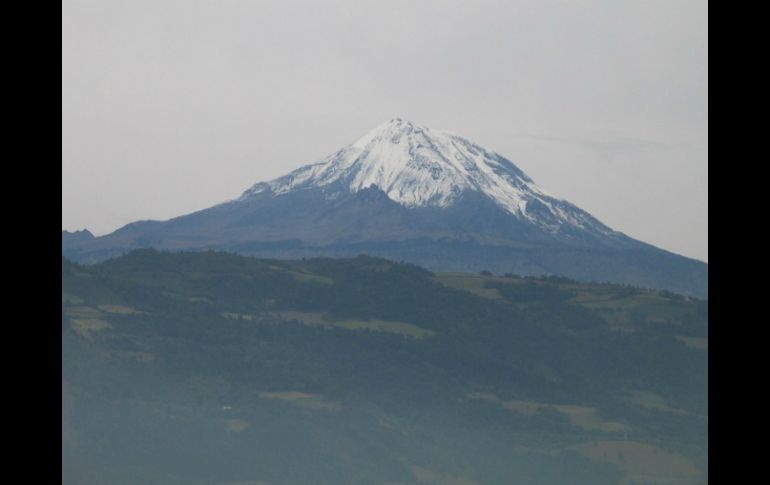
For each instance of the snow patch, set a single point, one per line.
(417, 167)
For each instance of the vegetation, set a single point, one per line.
(216, 368)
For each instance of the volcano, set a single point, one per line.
(411, 193)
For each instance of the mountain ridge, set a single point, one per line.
(452, 203)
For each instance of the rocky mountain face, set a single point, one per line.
(408, 192)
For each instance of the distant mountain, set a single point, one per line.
(212, 368)
(411, 193)
(75, 237)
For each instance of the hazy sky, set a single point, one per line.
(170, 106)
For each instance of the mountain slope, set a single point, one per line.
(419, 167)
(406, 185)
(210, 368)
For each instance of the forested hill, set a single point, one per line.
(211, 367)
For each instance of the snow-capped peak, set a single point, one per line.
(417, 166)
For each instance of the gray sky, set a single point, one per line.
(170, 106)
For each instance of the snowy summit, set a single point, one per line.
(418, 166)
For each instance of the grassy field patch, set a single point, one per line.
(119, 309)
(85, 327)
(302, 399)
(625, 310)
(374, 325)
(236, 425)
(581, 416)
(642, 463)
(83, 312)
(650, 400)
(400, 328)
(70, 299)
(694, 342)
(237, 316)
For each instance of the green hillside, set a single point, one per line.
(213, 368)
